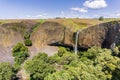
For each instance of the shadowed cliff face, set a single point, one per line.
(102, 35)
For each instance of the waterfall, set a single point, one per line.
(76, 41)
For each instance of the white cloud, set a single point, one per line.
(95, 4)
(40, 15)
(82, 10)
(118, 14)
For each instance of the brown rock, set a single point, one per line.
(102, 35)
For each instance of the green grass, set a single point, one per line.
(73, 24)
(9, 21)
(110, 19)
(35, 27)
(76, 24)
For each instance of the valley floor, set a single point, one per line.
(6, 55)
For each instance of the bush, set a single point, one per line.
(91, 53)
(60, 75)
(27, 35)
(28, 42)
(54, 59)
(101, 18)
(61, 51)
(6, 71)
(39, 67)
(16, 67)
(67, 58)
(20, 52)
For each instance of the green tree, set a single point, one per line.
(91, 53)
(60, 75)
(6, 71)
(61, 51)
(101, 18)
(20, 52)
(39, 67)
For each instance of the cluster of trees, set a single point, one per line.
(39, 67)
(93, 64)
(6, 71)
(20, 53)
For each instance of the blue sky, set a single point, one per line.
(12, 9)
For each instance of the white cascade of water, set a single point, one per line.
(76, 41)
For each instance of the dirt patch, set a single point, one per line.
(50, 50)
(5, 55)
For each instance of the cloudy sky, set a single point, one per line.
(12, 9)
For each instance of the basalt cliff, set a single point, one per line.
(55, 33)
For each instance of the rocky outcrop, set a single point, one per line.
(11, 34)
(51, 33)
(102, 35)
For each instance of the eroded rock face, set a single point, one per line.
(10, 35)
(51, 33)
(8, 38)
(102, 35)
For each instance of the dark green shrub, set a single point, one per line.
(116, 74)
(27, 35)
(101, 18)
(28, 42)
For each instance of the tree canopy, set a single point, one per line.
(6, 71)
